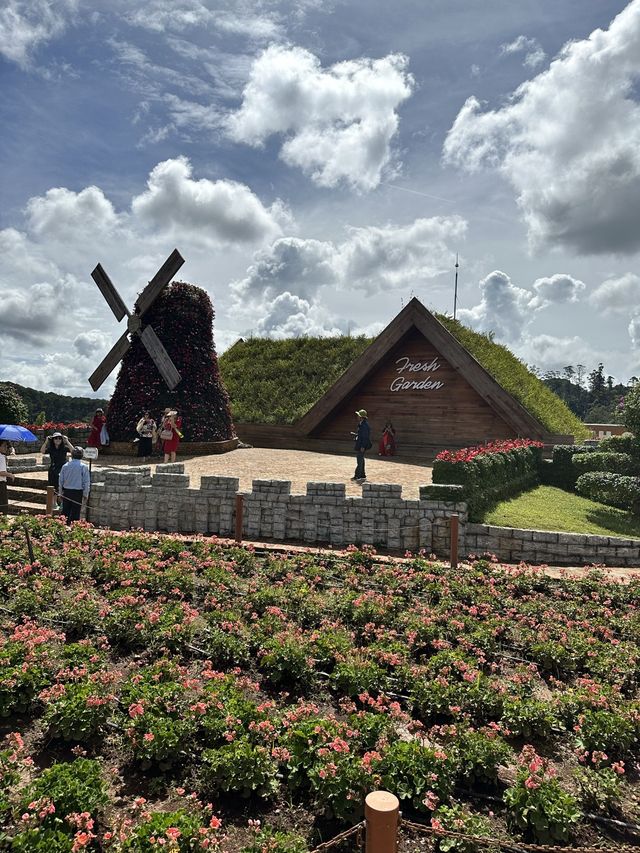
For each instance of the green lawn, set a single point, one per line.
(546, 508)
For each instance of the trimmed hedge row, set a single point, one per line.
(614, 463)
(613, 489)
(562, 473)
(625, 443)
(491, 477)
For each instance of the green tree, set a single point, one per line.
(13, 409)
(632, 410)
(40, 418)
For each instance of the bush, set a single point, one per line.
(480, 754)
(614, 463)
(613, 489)
(73, 787)
(181, 831)
(241, 768)
(599, 789)
(13, 409)
(563, 474)
(269, 840)
(454, 818)
(489, 473)
(625, 443)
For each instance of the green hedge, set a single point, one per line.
(448, 492)
(491, 477)
(614, 463)
(613, 489)
(563, 474)
(625, 443)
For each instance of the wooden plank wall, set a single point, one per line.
(447, 416)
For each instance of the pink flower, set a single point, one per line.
(148, 737)
(136, 710)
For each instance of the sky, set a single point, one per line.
(317, 163)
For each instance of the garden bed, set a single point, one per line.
(137, 669)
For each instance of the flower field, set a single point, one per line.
(163, 694)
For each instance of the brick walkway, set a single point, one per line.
(298, 466)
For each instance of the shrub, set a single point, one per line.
(42, 840)
(416, 772)
(454, 818)
(563, 474)
(599, 789)
(180, 831)
(269, 840)
(615, 463)
(529, 718)
(489, 473)
(537, 805)
(605, 732)
(480, 753)
(625, 443)
(73, 787)
(13, 409)
(612, 489)
(241, 768)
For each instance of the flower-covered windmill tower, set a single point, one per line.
(178, 369)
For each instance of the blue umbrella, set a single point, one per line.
(9, 432)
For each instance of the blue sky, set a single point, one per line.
(317, 164)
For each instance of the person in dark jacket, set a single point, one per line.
(362, 444)
(56, 446)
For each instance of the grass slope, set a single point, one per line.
(546, 508)
(515, 378)
(279, 381)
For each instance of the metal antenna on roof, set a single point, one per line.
(455, 290)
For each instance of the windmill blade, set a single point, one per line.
(108, 290)
(110, 361)
(160, 280)
(160, 357)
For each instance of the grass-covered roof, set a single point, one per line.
(277, 381)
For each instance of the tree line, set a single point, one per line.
(593, 396)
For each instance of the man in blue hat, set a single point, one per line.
(362, 444)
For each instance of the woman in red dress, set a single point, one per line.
(171, 435)
(97, 423)
(387, 446)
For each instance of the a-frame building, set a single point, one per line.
(437, 395)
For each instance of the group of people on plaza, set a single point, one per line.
(72, 479)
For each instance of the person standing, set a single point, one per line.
(5, 450)
(146, 429)
(97, 424)
(387, 446)
(362, 444)
(171, 435)
(74, 484)
(56, 446)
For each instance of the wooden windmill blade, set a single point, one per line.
(160, 357)
(108, 290)
(110, 361)
(160, 280)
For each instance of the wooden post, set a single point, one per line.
(239, 516)
(455, 518)
(381, 814)
(4, 500)
(51, 499)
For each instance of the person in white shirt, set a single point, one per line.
(5, 450)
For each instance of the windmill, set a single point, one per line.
(135, 323)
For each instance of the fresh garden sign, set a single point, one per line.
(408, 366)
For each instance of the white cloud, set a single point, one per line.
(553, 353)
(338, 123)
(63, 213)
(370, 259)
(25, 24)
(181, 15)
(289, 316)
(216, 212)
(531, 47)
(87, 344)
(556, 289)
(35, 313)
(618, 295)
(634, 331)
(503, 308)
(569, 143)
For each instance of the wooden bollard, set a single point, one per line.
(381, 813)
(455, 518)
(239, 516)
(51, 499)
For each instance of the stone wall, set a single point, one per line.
(556, 549)
(325, 515)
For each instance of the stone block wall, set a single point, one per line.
(323, 515)
(164, 501)
(556, 549)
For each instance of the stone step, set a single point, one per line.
(30, 496)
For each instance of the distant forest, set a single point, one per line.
(593, 396)
(57, 407)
